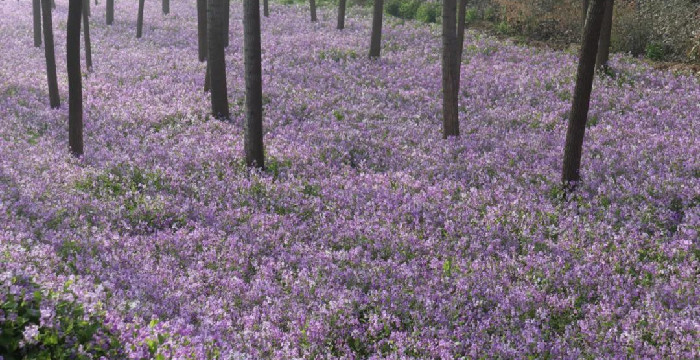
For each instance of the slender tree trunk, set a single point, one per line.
(582, 94)
(605, 33)
(86, 34)
(139, 20)
(110, 12)
(584, 12)
(50, 54)
(36, 13)
(216, 61)
(450, 109)
(86, 7)
(266, 8)
(376, 40)
(341, 14)
(254, 152)
(312, 5)
(227, 27)
(53, 4)
(207, 79)
(166, 7)
(202, 29)
(75, 87)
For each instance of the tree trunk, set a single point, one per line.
(266, 8)
(584, 13)
(110, 12)
(166, 7)
(582, 95)
(450, 109)
(312, 4)
(227, 27)
(75, 87)
(216, 59)
(36, 13)
(207, 79)
(202, 29)
(86, 7)
(341, 14)
(50, 54)
(86, 34)
(376, 41)
(605, 33)
(254, 152)
(139, 20)
(53, 4)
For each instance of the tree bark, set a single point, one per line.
(216, 59)
(110, 12)
(166, 7)
(86, 7)
(36, 14)
(207, 79)
(139, 20)
(86, 34)
(202, 29)
(266, 8)
(254, 151)
(50, 54)
(341, 14)
(376, 40)
(227, 26)
(75, 87)
(582, 95)
(605, 33)
(450, 109)
(584, 12)
(53, 4)
(312, 5)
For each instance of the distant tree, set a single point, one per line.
(376, 39)
(50, 54)
(254, 151)
(341, 14)
(110, 12)
(582, 94)
(216, 59)
(605, 33)
(166, 7)
(36, 13)
(202, 29)
(86, 35)
(312, 5)
(139, 20)
(266, 8)
(75, 87)
(453, 18)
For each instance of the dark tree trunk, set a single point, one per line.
(166, 7)
(582, 94)
(207, 79)
(216, 59)
(227, 27)
(254, 152)
(86, 34)
(266, 8)
(53, 4)
(86, 7)
(605, 33)
(376, 41)
(75, 87)
(312, 5)
(139, 20)
(450, 110)
(36, 13)
(202, 29)
(341, 14)
(110, 12)
(584, 13)
(50, 54)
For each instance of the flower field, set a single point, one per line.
(368, 235)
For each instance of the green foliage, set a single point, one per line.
(503, 28)
(70, 333)
(408, 9)
(655, 51)
(471, 15)
(429, 12)
(393, 8)
(337, 54)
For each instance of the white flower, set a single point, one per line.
(31, 334)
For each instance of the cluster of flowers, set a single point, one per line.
(368, 235)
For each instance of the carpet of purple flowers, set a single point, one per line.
(368, 236)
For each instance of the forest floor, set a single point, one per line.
(368, 236)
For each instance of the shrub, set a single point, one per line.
(655, 51)
(408, 9)
(393, 8)
(429, 12)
